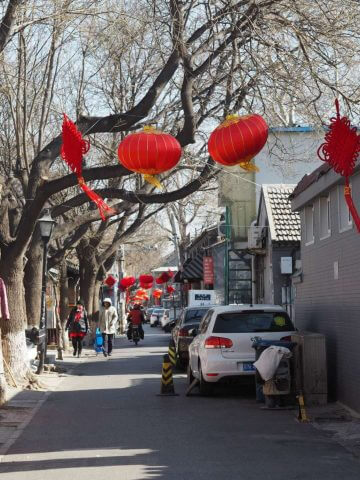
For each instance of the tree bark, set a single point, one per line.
(33, 280)
(13, 331)
(64, 304)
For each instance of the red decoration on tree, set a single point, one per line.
(164, 277)
(170, 289)
(127, 282)
(145, 279)
(340, 150)
(110, 281)
(238, 140)
(149, 153)
(72, 150)
(157, 293)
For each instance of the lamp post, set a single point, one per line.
(46, 226)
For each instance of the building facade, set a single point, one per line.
(328, 286)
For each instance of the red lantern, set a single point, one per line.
(110, 281)
(149, 152)
(157, 293)
(146, 279)
(127, 282)
(237, 140)
(170, 289)
(146, 286)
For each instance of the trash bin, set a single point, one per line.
(260, 345)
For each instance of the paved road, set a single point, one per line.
(106, 422)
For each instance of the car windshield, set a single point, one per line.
(158, 310)
(252, 321)
(195, 315)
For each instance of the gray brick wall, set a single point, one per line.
(330, 306)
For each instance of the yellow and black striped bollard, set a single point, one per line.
(172, 352)
(302, 417)
(167, 383)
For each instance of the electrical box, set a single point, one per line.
(310, 367)
(286, 265)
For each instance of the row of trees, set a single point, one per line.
(116, 66)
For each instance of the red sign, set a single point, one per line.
(208, 268)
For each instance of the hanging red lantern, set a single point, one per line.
(146, 286)
(157, 293)
(238, 140)
(149, 152)
(72, 150)
(146, 279)
(170, 289)
(110, 281)
(127, 282)
(340, 151)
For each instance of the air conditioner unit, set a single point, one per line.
(254, 237)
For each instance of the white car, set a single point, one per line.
(222, 348)
(156, 315)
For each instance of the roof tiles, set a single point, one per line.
(284, 224)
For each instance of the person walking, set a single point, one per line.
(78, 325)
(108, 321)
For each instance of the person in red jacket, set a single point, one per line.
(136, 317)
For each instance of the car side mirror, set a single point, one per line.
(193, 332)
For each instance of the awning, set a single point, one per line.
(192, 270)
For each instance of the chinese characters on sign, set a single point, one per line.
(208, 267)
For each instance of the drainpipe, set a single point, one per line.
(227, 248)
(253, 272)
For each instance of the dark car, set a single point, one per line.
(190, 318)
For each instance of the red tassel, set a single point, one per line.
(74, 146)
(104, 209)
(350, 204)
(72, 150)
(342, 145)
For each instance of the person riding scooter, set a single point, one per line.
(136, 317)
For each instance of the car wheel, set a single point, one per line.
(204, 386)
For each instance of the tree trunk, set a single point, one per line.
(13, 330)
(3, 384)
(64, 305)
(33, 281)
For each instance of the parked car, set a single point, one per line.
(155, 316)
(222, 348)
(169, 327)
(148, 314)
(165, 319)
(189, 319)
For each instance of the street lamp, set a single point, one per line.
(46, 226)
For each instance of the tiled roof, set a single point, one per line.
(284, 224)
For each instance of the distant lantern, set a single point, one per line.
(170, 289)
(110, 281)
(238, 140)
(127, 282)
(149, 153)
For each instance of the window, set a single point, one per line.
(195, 315)
(324, 220)
(205, 321)
(345, 220)
(309, 224)
(252, 322)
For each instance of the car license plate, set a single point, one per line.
(248, 367)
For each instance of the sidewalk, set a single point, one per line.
(18, 411)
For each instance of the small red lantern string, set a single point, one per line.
(72, 150)
(340, 150)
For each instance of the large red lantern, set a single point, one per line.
(238, 140)
(149, 152)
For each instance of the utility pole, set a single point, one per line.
(177, 253)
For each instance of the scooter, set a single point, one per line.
(135, 334)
